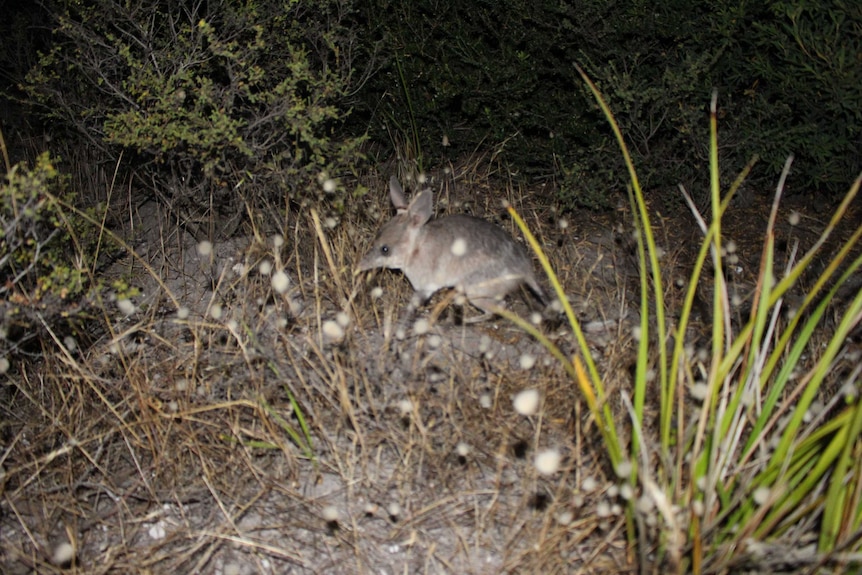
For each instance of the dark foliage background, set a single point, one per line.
(222, 110)
(789, 76)
(227, 107)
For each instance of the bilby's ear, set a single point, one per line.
(420, 209)
(396, 194)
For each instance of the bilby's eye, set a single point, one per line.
(384, 250)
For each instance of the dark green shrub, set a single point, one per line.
(798, 66)
(788, 74)
(227, 107)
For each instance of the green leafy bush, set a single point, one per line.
(41, 271)
(227, 107)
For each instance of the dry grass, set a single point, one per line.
(175, 444)
(170, 445)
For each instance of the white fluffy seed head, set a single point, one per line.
(405, 407)
(527, 402)
(636, 333)
(644, 504)
(563, 223)
(794, 218)
(342, 318)
(332, 331)
(626, 491)
(370, 508)
(435, 341)
(421, 327)
(462, 449)
(280, 281)
(565, 517)
(182, 312)
(70, 343)
(485, 400)
(216, 311)
(699, 391)
(697, 507)
(459, 247)
(265, 267)
(377, 292)
(329, 185)
(394, 509)
(330, 513)
(126, 306)
(589, 484)
(64, 553)
(603, 509)
(330, 223)
(536, 318)
(157, 531)
(849, 391)
(527, 361)
(624, 469)
(205, 249)
(548, 461)
(277, 241)
(761, 495)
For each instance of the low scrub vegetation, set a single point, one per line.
(195, 378)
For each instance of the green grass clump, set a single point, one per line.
(742, 455)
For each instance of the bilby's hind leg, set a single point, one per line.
(488, 305)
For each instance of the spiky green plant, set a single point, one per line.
(747, 462)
